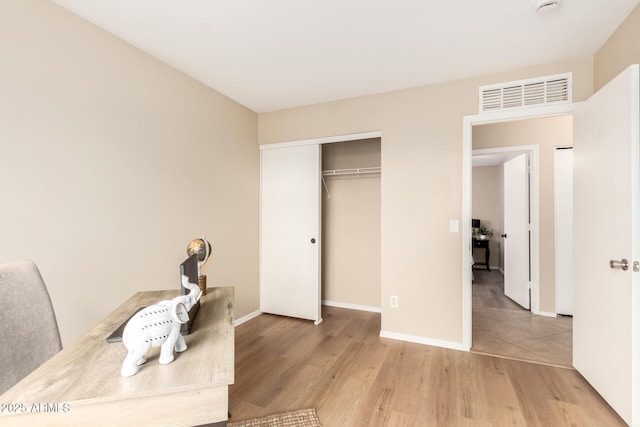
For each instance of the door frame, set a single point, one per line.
(533, 152)
(323, 140)
(467, 135)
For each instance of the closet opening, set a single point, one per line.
(351, 227)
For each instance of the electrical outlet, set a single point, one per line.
(393, 301)
(453, 226)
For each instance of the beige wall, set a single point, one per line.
(351, 225)
(421, 186)
(621, 50)
(487, 207)
(112, 162)
(547, 133)
(95, 137)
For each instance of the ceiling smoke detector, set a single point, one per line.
(543, 7)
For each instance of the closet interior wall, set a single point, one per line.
(351, 225)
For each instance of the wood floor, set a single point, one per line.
(355, 378)
(501, 327)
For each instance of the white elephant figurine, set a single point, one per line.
(158, 325)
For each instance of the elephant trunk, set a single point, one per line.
(194, 291)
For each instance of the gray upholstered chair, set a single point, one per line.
(28, 329)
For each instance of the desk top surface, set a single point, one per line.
(89, 369)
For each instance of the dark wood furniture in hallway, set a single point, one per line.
(483, 244)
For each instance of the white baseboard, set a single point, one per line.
(491, 267)
(384, 334)
(246, 318)
(351, 306)
(422, 340)
(546, 314)
(257, 313)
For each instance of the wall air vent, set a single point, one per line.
(541, 91)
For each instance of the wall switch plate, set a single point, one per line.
(453, 225)
(393, 301)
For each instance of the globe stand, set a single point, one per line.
(202, 282)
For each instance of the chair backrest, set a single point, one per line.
(28, 329)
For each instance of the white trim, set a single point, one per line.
(467, 248)
(491, 268)
(351, 306)
(323, 140)
(547, 314)
(634, 159)
(246, 318)
(509, 116)
(467, 134)
(422, 340)
(534, 228)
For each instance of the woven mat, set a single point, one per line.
(299, 418)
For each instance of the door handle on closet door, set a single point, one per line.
(504, 235)
(313, 240)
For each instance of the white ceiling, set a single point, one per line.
(275, 54)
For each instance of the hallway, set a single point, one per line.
(503, 328)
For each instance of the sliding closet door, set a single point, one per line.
(290, 231)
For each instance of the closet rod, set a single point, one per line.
(356, 171)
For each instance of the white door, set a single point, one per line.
(563, 206)
(516, 230)
(606, 185)
(290, 231)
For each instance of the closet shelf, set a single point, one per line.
(356, 171)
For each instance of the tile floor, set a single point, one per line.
(503, 328)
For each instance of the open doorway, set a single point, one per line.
(500, 326)
(506, 209)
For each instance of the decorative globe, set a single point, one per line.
(200, 247)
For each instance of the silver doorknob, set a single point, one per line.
(623, 264)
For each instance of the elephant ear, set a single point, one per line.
(179, 312)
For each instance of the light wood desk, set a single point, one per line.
(82, 386)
